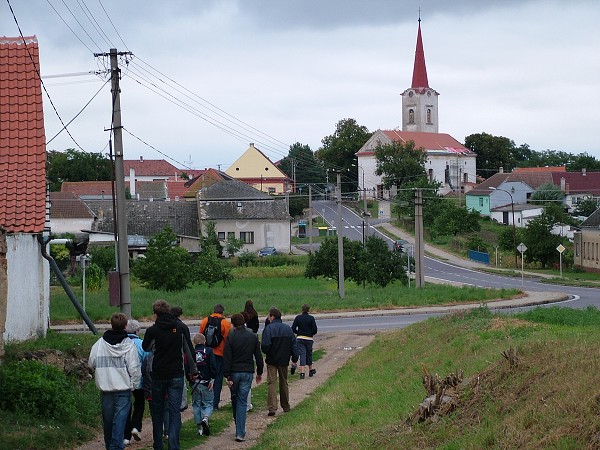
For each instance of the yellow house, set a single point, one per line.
(257, 170)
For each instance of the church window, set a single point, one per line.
(428, 115)
(465, 178)
(411, 116)
(430, 175)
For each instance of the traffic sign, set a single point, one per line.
(561, 248)
(522, 247)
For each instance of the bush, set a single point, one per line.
(36, 389)
(103, 256)
(247, 258)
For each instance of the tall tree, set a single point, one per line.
(547, 193)
(399, 163)
(404, 203)
(541, 243)
(74, 165)
(339, 149)
(308, 169)
(493, 152)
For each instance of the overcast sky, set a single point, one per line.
(208, 77)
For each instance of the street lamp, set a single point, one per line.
(512, 207)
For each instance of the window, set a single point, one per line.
(481, 202)
(271, 190)
(247, 237)
(411, 116)
(428, 115)
(231, 234)
(221, 235)
(430, 175)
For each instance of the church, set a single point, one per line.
(448, 161)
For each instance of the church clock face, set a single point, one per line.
(410, 94)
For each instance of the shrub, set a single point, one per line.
(36, 389)
(247, 258)
(103, 256)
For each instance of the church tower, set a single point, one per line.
(420, 102)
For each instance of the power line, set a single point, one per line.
(113, 25)
(94, 22)
(79, 23)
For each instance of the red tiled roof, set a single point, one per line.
(177, 189)
(22, 138)
(541, 169)
(87, 187)
(150, 167)
(66, 205)
(419, 79)
(582, 182)
(429, 141)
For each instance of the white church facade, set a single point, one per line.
(448, 161)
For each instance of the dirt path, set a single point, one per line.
(338, 349)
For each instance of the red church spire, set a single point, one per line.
(419, 79)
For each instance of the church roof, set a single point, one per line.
(419, 79)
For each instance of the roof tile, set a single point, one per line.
(22, 138)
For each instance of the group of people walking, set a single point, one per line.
(155, 369)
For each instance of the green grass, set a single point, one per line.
(548, 400)
(288, 294)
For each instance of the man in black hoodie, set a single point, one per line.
(169, 342)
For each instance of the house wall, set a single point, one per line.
(60, 226)
(28, 293)
(266, 233)
(587, 249)
(479, 203)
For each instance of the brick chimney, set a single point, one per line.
(583, 171)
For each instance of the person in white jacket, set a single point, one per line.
(116, 365)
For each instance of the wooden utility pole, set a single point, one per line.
(121, 222)
(419, 254)
(340, 228)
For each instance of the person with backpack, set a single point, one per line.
(215, 329)
(133, 427)
(202, 388)
(305, 327)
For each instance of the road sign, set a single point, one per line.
(522, 247)
(561, 248)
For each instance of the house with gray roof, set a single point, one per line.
(586, 243)
(239, 210)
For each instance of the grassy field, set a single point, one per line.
(286, 293)
(548, 399)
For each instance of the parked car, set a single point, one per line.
(399, 245)
(267, 251)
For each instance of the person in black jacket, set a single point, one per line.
(170, 342)
(252, 319)
(278, 344)
(202, 390)
(241, 350)
(305, 327)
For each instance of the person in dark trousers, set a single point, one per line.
(116, 365)
(169, 341)
(279, 345)
(241, 351)
(133, 427)
(305, 327)
(218, 311)
(252, 322)
(202, 389)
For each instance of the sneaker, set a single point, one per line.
(250, 407)
(200, 431)
(271, 413)
(311, 372)
(302, 376)
(135, 433)
(126, 442)
(293, 369)
(239, 439)
(205, 427)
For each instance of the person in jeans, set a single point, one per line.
(241, 350)
(278, 345)
(169, 341)
(305, 327)
(218, 311)
(133, 427)
(202, 389)
(116, 365)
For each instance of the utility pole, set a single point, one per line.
(419, 254)
(121, 225)
(340, 233)
(310, 228)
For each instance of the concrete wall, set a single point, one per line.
(266, 233)
(28, 293)
(60, 226)
(587, 249)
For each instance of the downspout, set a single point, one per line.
(65, 285)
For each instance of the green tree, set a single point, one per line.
(210, 238)
(452, 220)
(165, 266)
(74, 165)
(583, 161)
(586, 207)
(493, 152)
(338, 150)
(399, 163)
(210, 269)
(541, 243)
(547, 193)
(404, 203)
(233, 245)
(302, 165)
(381, 266)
